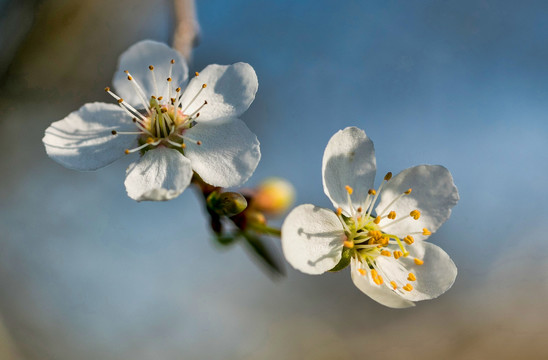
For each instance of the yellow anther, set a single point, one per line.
(349, 190)
(129, 78)
(388, 176)
(120, 101)
(197, 73)
(360, 209)
(392, 215)
(204, 86)
(411, 277)
(393, 283)
(377, 220)
(362, 271)
(408, 287)
(418, 261)
(339, 211)
(378, 280)
(408, 191)
(426, 232)
(178, 89)
(409, 239)
(126, 151)
(348, 244)
(150, 67)
(397, 254)
(172, 61)
(372, 192)
(183, 145)
(386, 253)
(150, 140)
(415, 214)
(385, 240)
(127, 72)
(374, 273)
(107, 89)
(160, 98)
(164, 110)
(198, 142)
(169, 79)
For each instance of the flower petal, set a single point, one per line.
(83, 140)
(434, 277)
(137, 59)
(228, 152)
(312, 239)
(348, 160)
(161, 174)
(380, 293)
(230, 89)
(434, 194)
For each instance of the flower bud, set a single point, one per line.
(274, 196)
(227, 203)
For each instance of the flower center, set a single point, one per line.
(370, 243)
(163, 121)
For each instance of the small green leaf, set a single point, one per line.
(225, 240)
(345, 260)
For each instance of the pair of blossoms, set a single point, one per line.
(181, 128)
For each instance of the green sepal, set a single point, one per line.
(225, 240)
(345, 260)
(262, 252)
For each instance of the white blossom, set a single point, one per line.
(177, 126)
(379, 232)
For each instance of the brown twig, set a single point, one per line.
(187, 28)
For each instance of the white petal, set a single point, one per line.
(161, 174)
(228, 154)
(380, 293)
(349, 159)
(312, 239)
(229, 92)
(137, 59)
(434, 194)
(84, 141)
(434, 277)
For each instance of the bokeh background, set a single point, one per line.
(87, 273)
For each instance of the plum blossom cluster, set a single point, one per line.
(379, 232)
(179, 127)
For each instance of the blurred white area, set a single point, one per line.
(87, 273)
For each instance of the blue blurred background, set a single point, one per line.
(87, 273)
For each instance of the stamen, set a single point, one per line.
(195, 97)
(411, 277)
(197, 74)
(426, 232)
(151, 68)
(198, 109)
(409, 239)
(388, 176)
(418, 261)
(386, 253)
(349, 190)
(139, 90)
(339, 211)
(392, 215)
(415, 214)
(362, 271)
(394, 286)
(407, 287)
(176, 144)
(397, 254)
(127, 151)
(407, 192)
(372, 192)
(377, 220)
